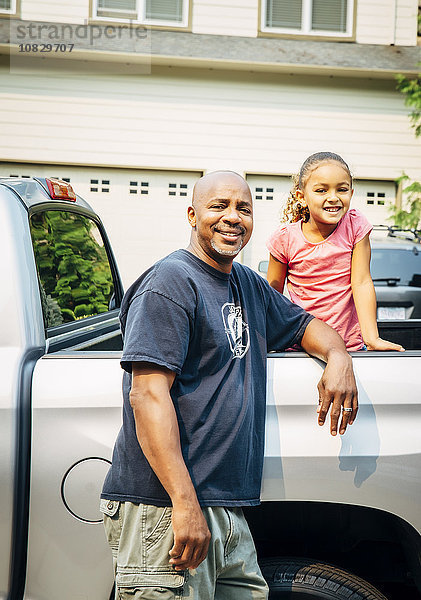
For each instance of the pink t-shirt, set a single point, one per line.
(319, 274)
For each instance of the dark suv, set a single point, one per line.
(396, 272)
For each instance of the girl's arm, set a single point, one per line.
(365, 297)
(277, 272)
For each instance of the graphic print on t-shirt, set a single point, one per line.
(236, 329)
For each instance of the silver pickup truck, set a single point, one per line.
(340, 517)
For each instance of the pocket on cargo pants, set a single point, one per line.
(149, 586)
(143, 571)
(112, 525)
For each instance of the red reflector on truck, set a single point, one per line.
(60, 190)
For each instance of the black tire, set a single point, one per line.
(306, 579)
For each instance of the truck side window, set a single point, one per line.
(73, 268)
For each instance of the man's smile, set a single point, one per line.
(232, 234)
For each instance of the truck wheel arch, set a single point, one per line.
(375, 542)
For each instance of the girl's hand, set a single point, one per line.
(383, 345)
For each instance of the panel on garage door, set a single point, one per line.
(374, 198)
(144, 211)
(270, 193)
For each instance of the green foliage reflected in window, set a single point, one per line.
(73, 268)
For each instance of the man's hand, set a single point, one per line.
(338, 391)
(191, 538)
(337, 387)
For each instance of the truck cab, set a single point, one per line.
(60, 374)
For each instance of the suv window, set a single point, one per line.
(73, 268)
(397, 263)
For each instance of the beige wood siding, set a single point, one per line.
(387, 22)
(375, 21)
(204, 120)
(238, 17)
(53, 11)
(406, 23)
(196, 121)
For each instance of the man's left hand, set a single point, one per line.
(338, 391)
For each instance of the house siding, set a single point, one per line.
(164, 125)
(238, 17)
(76, 12)
(406, 23)
(100, 122)
(387, 22)
(193, 119)
(375, 21)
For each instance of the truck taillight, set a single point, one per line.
(60, 190)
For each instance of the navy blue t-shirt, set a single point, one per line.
(213, 330)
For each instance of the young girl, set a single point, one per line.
(324, 253)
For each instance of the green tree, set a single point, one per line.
(411, 88)
(409, 215)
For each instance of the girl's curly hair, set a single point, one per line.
(294, 209)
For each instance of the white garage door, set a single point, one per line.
(374, 199)
(144, 211)
(270, 193)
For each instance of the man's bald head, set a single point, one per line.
(218, 179)
(221, 218)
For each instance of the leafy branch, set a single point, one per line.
(409, 215)
(411, 88)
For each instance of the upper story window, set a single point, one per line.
(332, 18)
(149, 12)
(8, 7)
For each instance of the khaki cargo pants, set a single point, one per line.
(140, 537)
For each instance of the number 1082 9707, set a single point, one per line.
(46, 47)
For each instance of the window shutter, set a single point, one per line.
(329, 15)
(117, 8)
(164, 10)
(284, 13)
(4, 4)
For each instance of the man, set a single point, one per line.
(197, 328)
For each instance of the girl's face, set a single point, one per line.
(327, 193)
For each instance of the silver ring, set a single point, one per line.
(346, 409)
